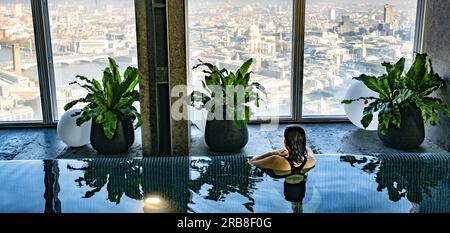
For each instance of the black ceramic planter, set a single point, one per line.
(222, 136)
(410, 135)
(120, 143)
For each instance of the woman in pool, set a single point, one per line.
(296, 158)
(292, 164)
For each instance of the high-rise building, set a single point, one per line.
(346, 19)
(385, 29)
(346, 25)
(16, 58)
(332, 14)
(388, 13)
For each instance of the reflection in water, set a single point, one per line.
(224, 175)
(388, 183)
(414, 177)
(164, 184)
(120, 177)
(160, 182)
(294, 187)
(51, 172)
(295, 193)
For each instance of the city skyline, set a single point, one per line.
(342, 40)
(80, 34)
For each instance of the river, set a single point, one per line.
(65, 73)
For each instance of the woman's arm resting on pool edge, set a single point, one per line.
(269, 162)
(268, 154)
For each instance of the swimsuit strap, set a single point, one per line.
(298, 170)
(294, 169)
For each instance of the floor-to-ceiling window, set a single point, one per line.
(77, 37)
(227, 33)
(19, 82)
(346, 38)
(84, 34)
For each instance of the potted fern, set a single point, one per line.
(227, 97)
(110, 105)
(404, 103)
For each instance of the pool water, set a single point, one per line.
(385, 183)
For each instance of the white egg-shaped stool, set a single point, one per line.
(355, 110)
(71, 134)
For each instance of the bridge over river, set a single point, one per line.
(69, 59)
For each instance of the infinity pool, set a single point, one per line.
(392, 183)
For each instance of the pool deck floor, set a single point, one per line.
(324, 138)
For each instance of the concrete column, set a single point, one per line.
(177, 44)
(161, 41)
(144, 61)
(436, 43)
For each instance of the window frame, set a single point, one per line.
(47, 85)
(44, 54)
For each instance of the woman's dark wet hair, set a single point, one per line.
(295, 139)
